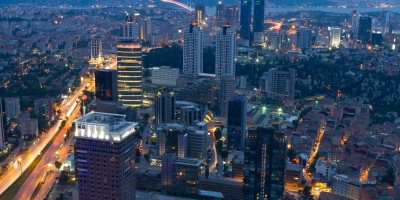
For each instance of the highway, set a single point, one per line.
(26, 160)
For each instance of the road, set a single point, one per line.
(26, 160)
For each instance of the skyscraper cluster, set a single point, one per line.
(249, 31)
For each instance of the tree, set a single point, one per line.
(306, 193)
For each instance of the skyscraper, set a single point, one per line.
(245, 19)
(146, 28)
(226, 92)
(335, 34)
(280, 83)
(237, 122)
(131, 28)
(106, 85)
(303, 38)
(225, 52)
(258, 19)
(96, 49)
(104, 154)
(265, 164)
(220, 13)
(164, 107)
(129, 64)
(232, 15)
(193, 50)
(365, 29)
(355, 22)
(200, 13)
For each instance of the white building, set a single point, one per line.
(131, 28)
(165, 76)
(96, 49)
(225, 52)
(335, 34)
(326, 169)
(193, 50)
(355, 23)
(12, 107)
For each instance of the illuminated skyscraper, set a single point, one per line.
(225, 52)
(335, 34)
(193, 50)
(219, 13)
(200, 13)
(129, 64)
(245, 19)
(265, 164)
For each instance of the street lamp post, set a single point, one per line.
(20, 163)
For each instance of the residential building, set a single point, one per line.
(265, 164)
(129, 65)
(193, 50)
(225, 52)
(12, 107)
(96, 49)
(197, 144)
(44, 108)
(106, 85)
(164, 76)
(279, 84)
(104, 155)
(236, 125)
(344, 186)
(27, 125)
(304, 38)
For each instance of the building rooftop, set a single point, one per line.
(188, 161)
(104, 126)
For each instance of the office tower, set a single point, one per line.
(131, 28)
(219, 13)
(280, 83)
(364, 31)
(44, 108)
(225, 52)
(245, 19)
(96, 49)
(164, 107)
(105, 156)
(335, 34)
(167, 173)
(197, 144)
(265, 164)
(232, 15)
(236, 122)
(164, 76)
(303, 38)
(146, 28)
(355, 22)
(193, 50)
(12, 107)
(106, 85)
(258, 20)
(2, 122)
(129, 64)
(168, 136)
(276, 41)
(226, 92)
(376, 38)
(387, 22)
(200, 13)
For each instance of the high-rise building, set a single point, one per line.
(236, 122)
(365, 29)
(226, 92)
(276, 41)
(131, 27)
(279, 83)
(96, 49)
(303, 38)
(12, 107)
(146, 28)
(165, 107)
(106, 85)
(165, 76)
(335, 34)
(220, 13)
(225, 52)
(264, 164)
(44, 108)
(129, 64)
(105, 156)
(355, 22)
(197, 144)
(169, 137)
(232, 15)
(245, 19)
(200, 13)
(27, 125)
(258, 18)
(376, 38)
(193, 50)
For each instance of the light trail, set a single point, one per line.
(277, 25)
(179, 4)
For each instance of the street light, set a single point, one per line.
(19, 162)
